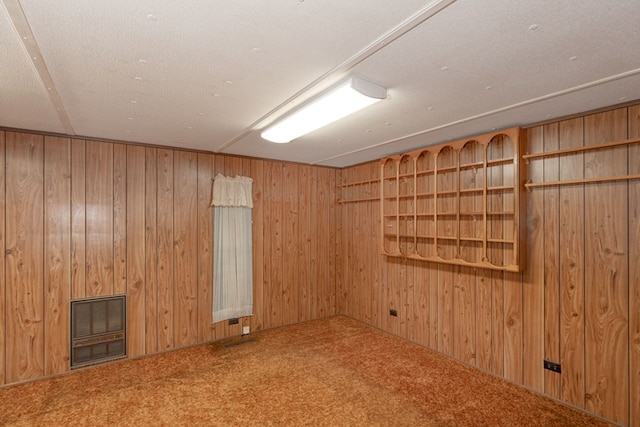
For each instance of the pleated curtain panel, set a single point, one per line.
(232, 199)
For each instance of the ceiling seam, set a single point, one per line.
(23, 30)
(546, 97)
(339, 71)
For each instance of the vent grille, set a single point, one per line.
(98, 328)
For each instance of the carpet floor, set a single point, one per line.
(330, 372)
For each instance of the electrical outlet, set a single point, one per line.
(552, 366)
(246, 330)
(393, 312)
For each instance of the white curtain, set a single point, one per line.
(232, 262)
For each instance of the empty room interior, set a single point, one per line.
(193, 234)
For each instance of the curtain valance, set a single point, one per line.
(232, 191)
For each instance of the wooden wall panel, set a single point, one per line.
(304, 243)
(3, 312)
(57, 254)
(106, 218)
(151, 250)
(165, 262)
(634, 269)
(275, 302)
(513, 328)
(99, 218)
(120, 218)
(135, 251)
(205, 247)
(551, 261)
(606, 271)
(257, 174)
(78, 219)
(572, 239)
(533, 285)
(290, 236)
(464, 306)
(24, 257)
(185, 248)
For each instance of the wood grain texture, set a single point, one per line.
(151, 250)
(551, 261)
(24, 257)
(290, 239)
(57, 253)
(165, 263)
(464, 317)
(185, 186)
(205, 247)
(572, 239)
(533, 285)
(99, 218)
(513, 328)
(3, 289)
(275, 298)
(607, 271)
(135, 254)
(78, 219)
(257, 174)
(304, 242)
(634, 270)
(120, 219)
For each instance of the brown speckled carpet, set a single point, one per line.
(330, 372)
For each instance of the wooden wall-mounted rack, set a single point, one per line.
(575, 150)
(458, 203)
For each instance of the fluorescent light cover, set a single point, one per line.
(350, 96)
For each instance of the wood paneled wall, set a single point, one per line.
(83, 218)
(577, 303)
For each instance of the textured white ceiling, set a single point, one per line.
(210, 75)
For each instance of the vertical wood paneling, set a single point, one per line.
(266, 245)
(78, 219)
(257, 174)
(513, 324)
(551, 262)
(135, 256)
(185, 248)
(420, 304)
(165, 266)
(275, 301)
(606, 272)
(24, 257)
(533, 285)
(373, 255)
(205, 247)
(220, 329)
(497, 361)
(57, 255)
(304, 243)
(120, 216)
(445, 309)
(483, 320)
(99, 218)
(634, 269)
(151, 251)
(290, 236)
(3, 312)
(465, 299)
(572, 239)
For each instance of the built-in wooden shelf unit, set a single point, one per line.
(461, 202)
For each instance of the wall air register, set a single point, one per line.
(98, 330)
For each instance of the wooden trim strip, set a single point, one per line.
(580, 149)
(530, 185)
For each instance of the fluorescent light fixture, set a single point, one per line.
(348, 97)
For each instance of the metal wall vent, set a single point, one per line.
(98, 330)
